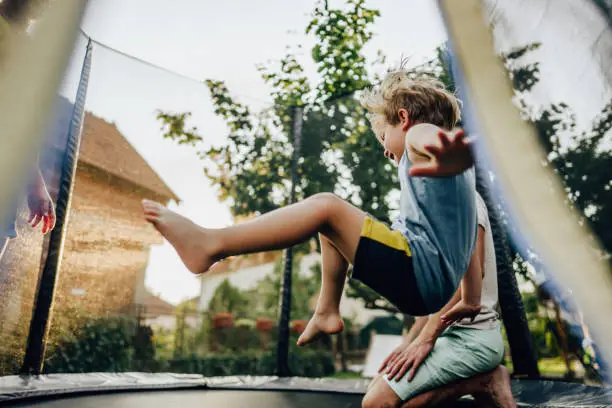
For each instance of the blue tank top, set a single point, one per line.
(438, 217)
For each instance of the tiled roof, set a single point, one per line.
(155, 306)
(103, 146)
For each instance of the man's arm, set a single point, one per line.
(415, 330)
(412, 354)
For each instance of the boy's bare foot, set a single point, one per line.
(320, 323)
(192, 242)
(498, 392)
(460, 311)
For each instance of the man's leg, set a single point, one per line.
(380, 395)
(327, 313)
(490, 389)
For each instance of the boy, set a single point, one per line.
(417, 264)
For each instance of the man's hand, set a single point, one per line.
(449, 157)
(390, 360)
(409, 358)
(41, 208)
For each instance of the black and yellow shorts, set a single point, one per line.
(384, 263)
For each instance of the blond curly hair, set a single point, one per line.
(425, 98)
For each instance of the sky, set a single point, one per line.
(201, 40)
(227, 40)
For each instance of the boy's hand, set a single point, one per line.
(460, 311)
(41, 209)
(449, 157)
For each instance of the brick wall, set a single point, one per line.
(107, 243)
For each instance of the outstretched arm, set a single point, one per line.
(435, 152)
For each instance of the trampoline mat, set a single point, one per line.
(142, 390)
(210, 398)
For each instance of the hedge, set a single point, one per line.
(302, 364)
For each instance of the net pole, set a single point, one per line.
(41, 315)
(282, 346)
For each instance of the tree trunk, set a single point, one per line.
(522, 348)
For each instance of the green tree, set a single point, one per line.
(264, 301)
(581, 158)
(229, 299)
(339, 152)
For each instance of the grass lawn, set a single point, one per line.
(551, 367)
(346, 374)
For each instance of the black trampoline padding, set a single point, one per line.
(141, 390)
(204, 398)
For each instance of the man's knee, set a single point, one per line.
(380, 395)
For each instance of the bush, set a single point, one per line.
(98, 345)
(302, 364)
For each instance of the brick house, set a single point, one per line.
(108, 241)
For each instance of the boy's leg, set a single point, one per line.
(327, 313)
(200, 248)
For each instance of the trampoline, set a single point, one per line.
(466, 27)
(164, 390)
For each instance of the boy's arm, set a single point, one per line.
(435, 152)
(471, 286)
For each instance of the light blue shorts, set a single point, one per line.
(459, 352)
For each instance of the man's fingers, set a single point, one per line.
(415, 367)
(387, 361)
(394, 369)
(412, 372)
(404, 368)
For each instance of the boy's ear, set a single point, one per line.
(404, 119)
